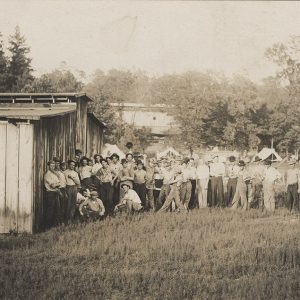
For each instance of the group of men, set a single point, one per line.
(93, 188)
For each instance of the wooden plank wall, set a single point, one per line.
(54, 137)
(81, 124)
(16, 151)
(94, 138)
(25, 212)
(3, 138)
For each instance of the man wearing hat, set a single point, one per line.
(240, 196)
(150, 171)
(131, 199)
(271, 176)
(52, 194)
(92, 208)
(174, 194)
(73, 182)
(257, 170)
(292, 177)
(62, 187)
(115, 168)
(232, 172)
(217, 171)
(167, 175)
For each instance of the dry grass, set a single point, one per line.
(207, 254)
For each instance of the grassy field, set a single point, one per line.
(206, 254)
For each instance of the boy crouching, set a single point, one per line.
(92, 208)
(131, 201)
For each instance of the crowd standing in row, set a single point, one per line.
(93, 188)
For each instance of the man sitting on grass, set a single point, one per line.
(92, 208)
(131, 201)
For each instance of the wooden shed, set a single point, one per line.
(33, 129)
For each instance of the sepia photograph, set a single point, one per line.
(149, 150)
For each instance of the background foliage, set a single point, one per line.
(209, 108)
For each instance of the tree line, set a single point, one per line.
(209, 108)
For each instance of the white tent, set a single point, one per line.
(168, 152)
(269, 153)
(109, 149)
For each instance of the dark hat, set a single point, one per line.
(78, 151)
(128, 183)
(71, 161)
(63, 163)
(231, 158)
(242, 163)
(92, 187)
(139, 162)
(84, 158)
(123, 161)
(56, 159)
(50, 162)
(97, 155)
(115, 155)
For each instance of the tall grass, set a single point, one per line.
(204, 254)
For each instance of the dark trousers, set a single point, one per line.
(86, 182)
(292, 196)
(231, 188)
(140, 189)
(63, 204)
(52, 208)
(72, 198)
(217, 191)
(116, 193)
(193, 203)
(106, 195)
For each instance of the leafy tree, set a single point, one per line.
(19, 66)
(55, 82)
(3, 67)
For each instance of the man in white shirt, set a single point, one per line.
(232, 172)
(292, 178)
(131, 199)
(186, 186)
(240, 196)
(52, 194)
(217, 171)
(73, 182)
(271, 176)
(202, 176)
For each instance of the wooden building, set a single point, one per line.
(34, 128)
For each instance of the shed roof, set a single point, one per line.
(35, 111)
(42, 97)
(98, 121)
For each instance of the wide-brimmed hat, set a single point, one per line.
(242, 163)
(128, 183)
(94, 193)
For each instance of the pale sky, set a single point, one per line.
(157, 36)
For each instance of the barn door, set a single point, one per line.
(16, 177)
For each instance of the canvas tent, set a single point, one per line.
(109, 149)
(168, 152)
(269, 153)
